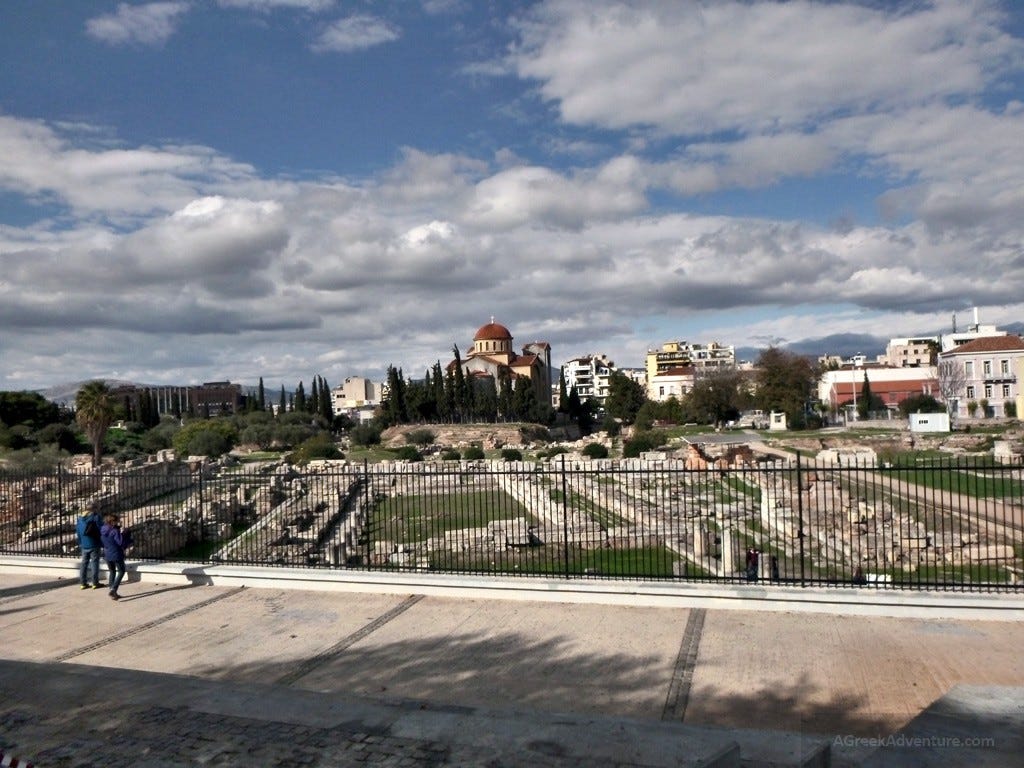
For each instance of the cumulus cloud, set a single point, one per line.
(48, 165)
(693, 69)
(147, 24)
(355, 33)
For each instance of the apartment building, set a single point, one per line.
(590, 375)
(356, 392)
(673, 382)
(911, 352)
(682, 354)
(991, 368)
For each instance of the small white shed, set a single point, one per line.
(929, 422)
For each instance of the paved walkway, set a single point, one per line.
(176, 674)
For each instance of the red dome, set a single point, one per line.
(493, 332)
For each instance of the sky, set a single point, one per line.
(197, 190)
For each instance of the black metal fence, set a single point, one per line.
(950, 524)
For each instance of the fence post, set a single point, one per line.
(565, 519)
(367, 509)
(800, 518)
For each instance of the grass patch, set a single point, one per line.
(411, 519)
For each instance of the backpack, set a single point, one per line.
(92, 531)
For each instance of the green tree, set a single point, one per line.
(921, 404)
(625, 397)
(261, 396)
(94, 412)
(300, 398)
(282, 403)
(563, 394)
(784, 383)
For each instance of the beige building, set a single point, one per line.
(356, 392)
(682, 354)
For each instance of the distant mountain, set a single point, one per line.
(844, 344)
(64, 394)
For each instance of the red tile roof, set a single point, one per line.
(1008, 343)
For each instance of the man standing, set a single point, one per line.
(88, 529)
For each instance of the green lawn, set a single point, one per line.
(410, 519)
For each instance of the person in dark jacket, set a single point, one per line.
(115, 542)
(88, 529)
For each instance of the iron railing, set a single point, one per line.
(924, 524)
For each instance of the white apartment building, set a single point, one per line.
(991, 367)
(590, 375)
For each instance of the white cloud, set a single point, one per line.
(355, 33)
(148, 24)
(43, 164)
(264, 6)
(694, 69)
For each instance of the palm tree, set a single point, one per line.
(94, 412)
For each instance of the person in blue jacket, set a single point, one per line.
(115, 541)
(88, 529)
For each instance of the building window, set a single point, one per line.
(988, 390)
(969, 369)
(1004, 367)
(988, 367)
(970, 392)
(1006, 390)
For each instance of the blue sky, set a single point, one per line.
(209, 189)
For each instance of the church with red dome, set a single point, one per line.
(493, 360)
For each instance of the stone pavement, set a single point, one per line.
(177, 674)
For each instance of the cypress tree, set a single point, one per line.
(563, 395)
(282, 403)
(299, 402)
(261, 400)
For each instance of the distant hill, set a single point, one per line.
(845, 344)
(64, 394)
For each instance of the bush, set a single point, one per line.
(205, 437)
(595, 451)
(408, 453)
(611, 426)
(535, 433)
(450, 454)
(511, 454)
(473, 453)
(1010, 409)
(364, 435)
(642, 442)
(317, 447)
(420, 437)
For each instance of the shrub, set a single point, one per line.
(450, 454)
(611, 426)
(205, 437)
(511, 454)
(364, 435)
(473, 453)
(420, 437)
(595, 451)
(408, 453)
(535, 433)
(1010, 409)
(642, 442)
(317, 447)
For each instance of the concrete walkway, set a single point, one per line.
(227, 674)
